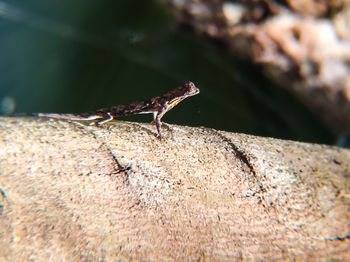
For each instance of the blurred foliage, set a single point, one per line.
(76, 56)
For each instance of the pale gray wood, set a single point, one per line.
(197, 194)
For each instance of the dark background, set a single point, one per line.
(76, 56)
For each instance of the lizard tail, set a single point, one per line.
(68, 116)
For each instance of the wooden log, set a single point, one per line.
(73, 192)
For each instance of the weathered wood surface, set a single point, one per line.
(197, 194)
(302, 45)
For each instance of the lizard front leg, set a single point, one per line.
(157, 119)
(158, 123)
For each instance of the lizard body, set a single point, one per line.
(158, 106)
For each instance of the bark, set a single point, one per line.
(75, 192)
(302, 45)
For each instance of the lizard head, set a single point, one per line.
(178, 94)
(189, 89)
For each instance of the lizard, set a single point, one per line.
(158, 105)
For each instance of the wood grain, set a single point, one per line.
(72, 192)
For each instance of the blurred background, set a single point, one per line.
(77, 56)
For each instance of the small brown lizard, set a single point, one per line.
(158, 105)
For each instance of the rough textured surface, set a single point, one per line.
(303, 45)
(75, 192)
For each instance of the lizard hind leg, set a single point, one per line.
(108, 117)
